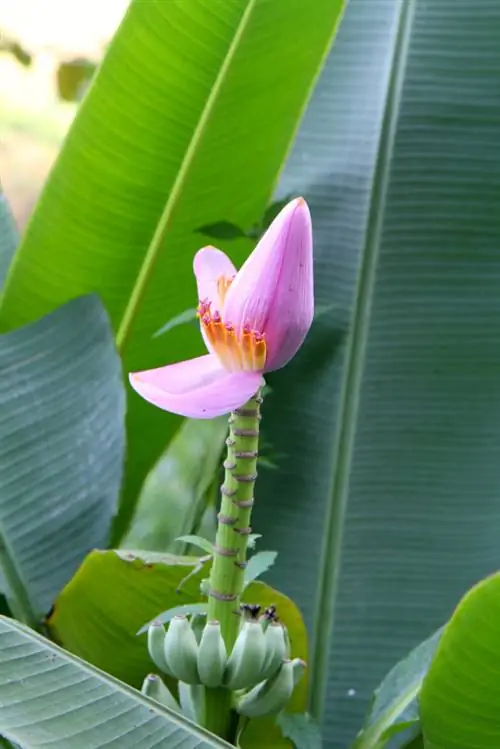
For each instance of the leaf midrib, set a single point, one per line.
(174, 718)
(163, 226)
(354, 364)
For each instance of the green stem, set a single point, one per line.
(227, 575)
(16, 593)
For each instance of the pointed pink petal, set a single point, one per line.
(209, 265)
(273, 292)
(197, 388)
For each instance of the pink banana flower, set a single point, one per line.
(252, 321)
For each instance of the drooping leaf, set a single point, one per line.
(175, 494)
(98, 614)
(51, 698)
(258, 564)
(201, 543)
(388, 419)
(301, 729)
(461, 692)
(395, 702)
(152, 155)
(252, 540)
(8, 237)
(61, 449)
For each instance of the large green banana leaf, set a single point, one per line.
(8, 237)
(51, 698)
(460, 694)
(188, 120)
(390, 417)
(61, 450)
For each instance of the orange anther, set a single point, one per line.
(246, 351)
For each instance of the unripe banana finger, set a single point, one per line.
(244, 666)
(268, 698)
(275, 649)
(212, 656)
(299, 667)
(156, 640)
(181, 650)
(288, 644)
(154, 687)
(191, 699)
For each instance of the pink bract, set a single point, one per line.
(252, 321)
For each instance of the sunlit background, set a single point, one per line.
(47, 52)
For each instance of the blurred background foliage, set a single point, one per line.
(48, 53)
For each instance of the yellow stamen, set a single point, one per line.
(223, 284)
(246, 351)
(259, 353)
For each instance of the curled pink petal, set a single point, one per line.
(210, 265)
(197, 388)
(212, 269)
(273, 292)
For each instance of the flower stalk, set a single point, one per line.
(253, 321)
(228, 568)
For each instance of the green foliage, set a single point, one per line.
(301, 729)
(388, 416)
(461, 693)
(258, 564)
(61, 449)
(178, 491)
(394, 710)
(152, 155)
(67, 703)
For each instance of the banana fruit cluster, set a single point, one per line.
(258, 670)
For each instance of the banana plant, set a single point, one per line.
(381, 501)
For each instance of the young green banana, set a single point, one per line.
(271, 696)
(153, 687)
(156, 639)
(212, 655)
(299, 667)
(244, 666)
(191, 699)
(288, 644)
(275, 649)
(181, 650)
